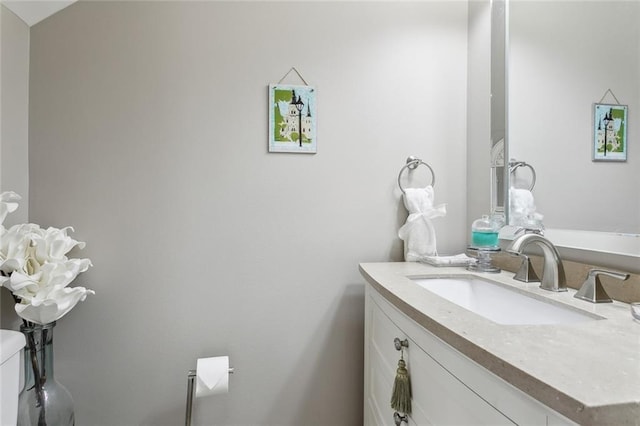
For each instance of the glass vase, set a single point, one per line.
(43, 401)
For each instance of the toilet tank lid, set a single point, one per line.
(10, 343)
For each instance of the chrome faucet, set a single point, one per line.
(553, 277)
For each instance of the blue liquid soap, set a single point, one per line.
(484, 239)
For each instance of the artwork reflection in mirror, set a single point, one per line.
(609, 132)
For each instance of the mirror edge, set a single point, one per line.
(506, 172)
(499, 135)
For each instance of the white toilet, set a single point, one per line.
(11, 344)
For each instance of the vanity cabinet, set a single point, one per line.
(447, 387)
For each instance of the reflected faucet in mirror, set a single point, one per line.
(553, 276)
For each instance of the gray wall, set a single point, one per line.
(148, 134)
(14, 110)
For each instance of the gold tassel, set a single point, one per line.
(401, 395)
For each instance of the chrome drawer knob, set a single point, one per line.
(399, 344)
(398, 419)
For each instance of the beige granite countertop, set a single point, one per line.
(589, 371)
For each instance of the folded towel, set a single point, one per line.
(418, 233)
(456, 260)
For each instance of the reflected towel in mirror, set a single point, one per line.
(522, 209)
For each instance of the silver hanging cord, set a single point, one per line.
(299, 75)
(605, 95)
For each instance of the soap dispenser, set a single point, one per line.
(484, 243)
(484, 232)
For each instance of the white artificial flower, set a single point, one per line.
(44, 309)
(8, 204)
(42, 289)
(45, 278)
(35, 267)
(53, 244)
(15, 243)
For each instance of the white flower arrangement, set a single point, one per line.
(34, 266)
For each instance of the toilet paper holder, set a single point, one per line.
(191, 379)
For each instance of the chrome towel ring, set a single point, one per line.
(513, 165)
(412, 164)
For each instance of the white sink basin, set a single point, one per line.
(500, 303)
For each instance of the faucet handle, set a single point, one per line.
(592, 289)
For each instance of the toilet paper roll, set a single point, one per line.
(212, 376)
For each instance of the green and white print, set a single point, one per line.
(610, 132)
(292, 118)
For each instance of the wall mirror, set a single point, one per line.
(562, 58)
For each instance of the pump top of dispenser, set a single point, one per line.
(484, 232)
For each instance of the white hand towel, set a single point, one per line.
(418, 233)
(455, 260)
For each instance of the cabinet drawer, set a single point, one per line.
(381, 365)
(379, 397)
(383, 333)
(438, 397)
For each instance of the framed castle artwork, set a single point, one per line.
(292, 118)
(609, 132)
